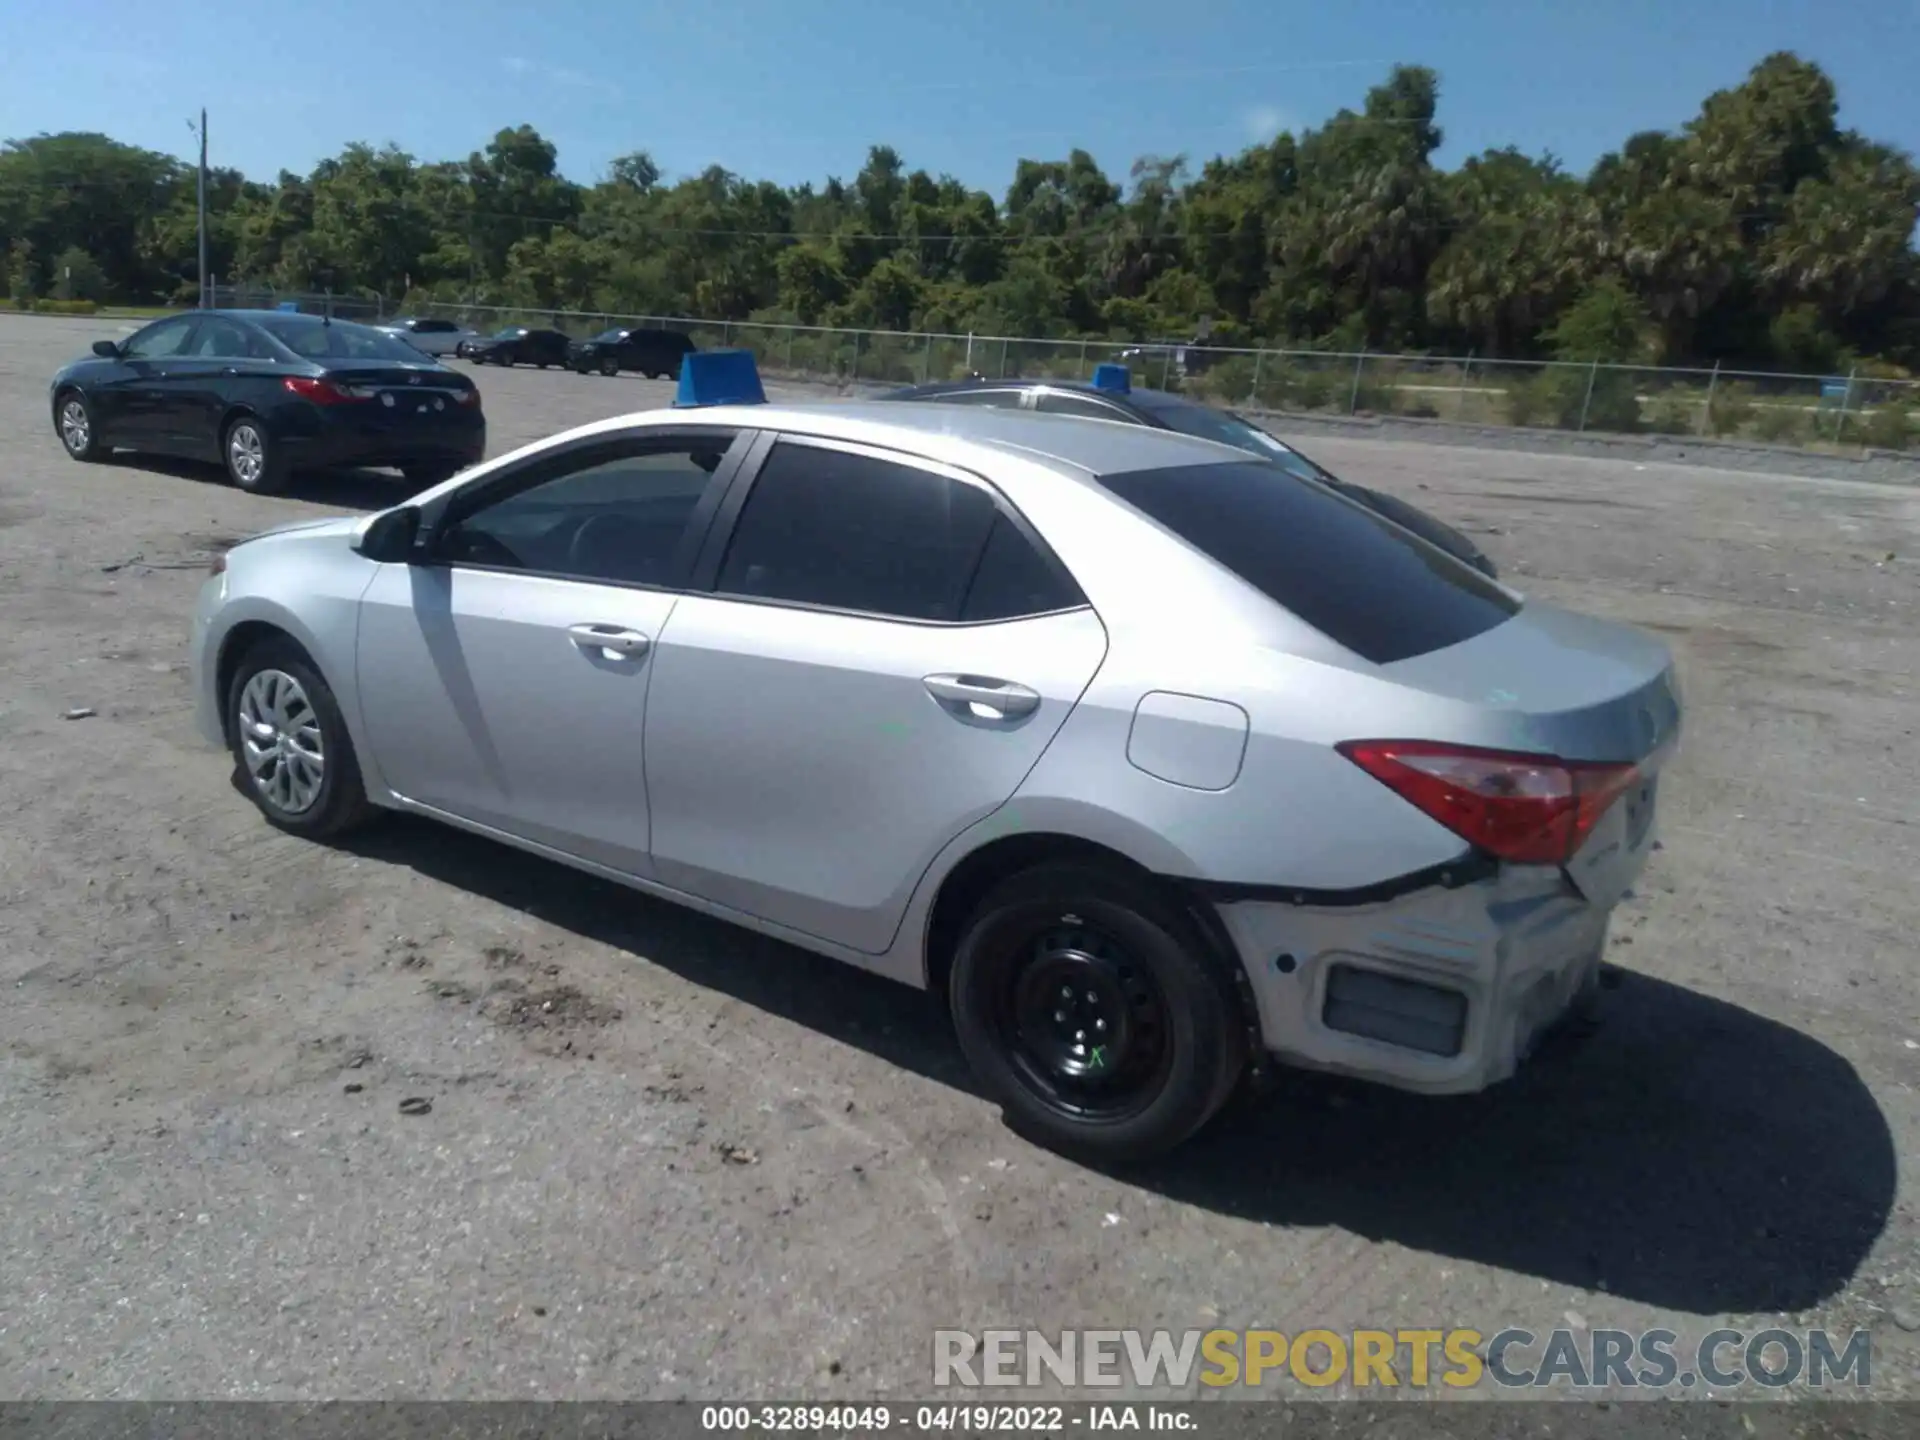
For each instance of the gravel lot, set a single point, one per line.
(665, 1157)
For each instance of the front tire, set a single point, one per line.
(1089, 1008)
(78, 434)
(253, 459)
(610, 368)
(290, 745)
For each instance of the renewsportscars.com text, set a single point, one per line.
(1457, 1359)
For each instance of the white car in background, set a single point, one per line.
(432, 337)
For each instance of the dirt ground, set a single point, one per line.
(426, 1117)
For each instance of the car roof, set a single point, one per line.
(955, 434)
(1145, 399)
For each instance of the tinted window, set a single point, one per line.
(1356, 578)
(610, 336)
(618, 518)
(223, 339)
(433, 327)
(160, 340)
(1014, 578)
(993, 399)
(826, 527)
(339, 341)
(512, 332)
(1054, 402)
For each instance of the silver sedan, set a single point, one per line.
(1158, 762)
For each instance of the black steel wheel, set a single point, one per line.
(1089, 1008)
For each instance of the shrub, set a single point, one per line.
(62, 307)
(1732, 409)
(1673, 412)
(1558, 397)
(1888, 425)
(1312, 389)
(1782, 424)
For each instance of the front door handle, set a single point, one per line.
(983, 696)
(608, 637)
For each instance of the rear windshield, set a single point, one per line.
(1229, 429)
(339, 341)
(1356, 578)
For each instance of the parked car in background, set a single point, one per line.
(269, 393)
(653, 351)
(519, 345)
(430, 337)
(1151, 756)
(1120, 401)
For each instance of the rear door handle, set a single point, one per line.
(1002, 699)
(608, 637)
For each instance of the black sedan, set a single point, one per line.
(655, 353)
(518, 345)
(1173, 412)
(269, 393)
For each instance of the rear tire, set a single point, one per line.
(78, 434)
(1060, 956)
(610, 368)
(253, 460)
(303, 776)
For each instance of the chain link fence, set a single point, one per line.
(1845, 413)
(364, 308)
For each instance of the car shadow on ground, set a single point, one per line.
(1690, 1154)
(340, 489)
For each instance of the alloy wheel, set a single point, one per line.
(281, 741)
(76, 429)
(246, 454)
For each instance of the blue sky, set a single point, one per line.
(797, 89)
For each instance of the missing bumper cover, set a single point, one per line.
(1409, 1013)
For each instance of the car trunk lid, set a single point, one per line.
(1551, 682)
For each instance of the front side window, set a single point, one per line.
(223, 339)
(852, 531)
(160, 340)
(612, 518)
(1357, 578)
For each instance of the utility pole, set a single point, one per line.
(206, 295)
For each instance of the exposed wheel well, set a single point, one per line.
(986, 867)
(234, 412)
(242, 638)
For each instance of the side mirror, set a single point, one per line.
(389, 536)
(106, 349)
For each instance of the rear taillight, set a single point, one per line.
(324, 392)
(467, 397)
(1527, 809)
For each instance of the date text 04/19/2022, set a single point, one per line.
(942, 1419)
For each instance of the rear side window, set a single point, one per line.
(854, 532)
(1355, 577)
(1015, 579)
(339, 340)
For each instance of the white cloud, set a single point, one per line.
(1263, 122)
(556, 74)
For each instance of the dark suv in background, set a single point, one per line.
(653, 352)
